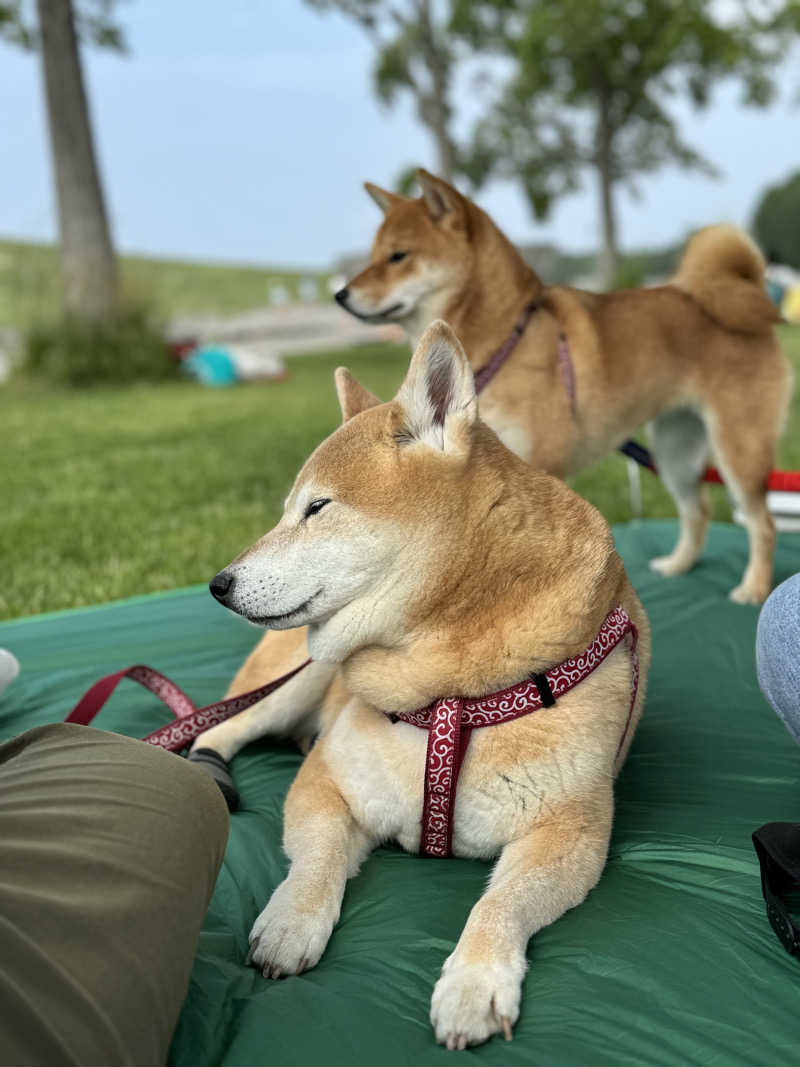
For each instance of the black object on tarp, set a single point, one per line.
(777, 846)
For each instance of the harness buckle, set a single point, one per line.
(545, 692)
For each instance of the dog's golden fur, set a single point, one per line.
(699, 357)
(487, 571)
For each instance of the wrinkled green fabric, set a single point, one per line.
(669, 961)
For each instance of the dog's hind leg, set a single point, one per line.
(745, 460)
(290, 711)
(680, 449)
(537, 878)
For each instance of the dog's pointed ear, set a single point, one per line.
(353, 397)
(438, 396)
(382, 197)
(445, 204)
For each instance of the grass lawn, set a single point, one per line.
(29, 284)
(113, 492)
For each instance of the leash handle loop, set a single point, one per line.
(190, 721)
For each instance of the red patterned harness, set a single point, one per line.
(451, 720)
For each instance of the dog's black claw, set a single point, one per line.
(211, 763)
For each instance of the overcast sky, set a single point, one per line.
(242, 130)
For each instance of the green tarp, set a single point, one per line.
(669, 961)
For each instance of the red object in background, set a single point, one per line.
(779, 481)
(179, 350)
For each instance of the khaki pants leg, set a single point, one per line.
(109, 851)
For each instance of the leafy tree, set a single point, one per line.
(414, 54)
(777, 222)
(88, 262)
(590, 83)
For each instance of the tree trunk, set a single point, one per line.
(607, 260)
(444, 148)
(434, 108)
(88, 265)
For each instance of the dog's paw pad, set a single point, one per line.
(669, 566)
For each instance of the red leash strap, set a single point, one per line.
(567, 369)
(166, 691)
(190, 721)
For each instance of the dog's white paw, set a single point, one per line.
(749, 593)
(473, 1001)
(287, 940)
(669, 566)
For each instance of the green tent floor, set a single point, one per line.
(669, 961)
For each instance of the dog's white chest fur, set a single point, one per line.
(380, 769)
(513, 775)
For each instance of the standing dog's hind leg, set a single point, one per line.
(745, 461)
(680, 450)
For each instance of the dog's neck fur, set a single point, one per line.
(530, 579)
(484, 311)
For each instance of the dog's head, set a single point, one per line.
(374, 512)
(421, 255)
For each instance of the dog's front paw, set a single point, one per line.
(670, 566)
(473, 1001)
(750, 593)
(286, 939)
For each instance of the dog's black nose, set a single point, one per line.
(220, 585)
(341, 296)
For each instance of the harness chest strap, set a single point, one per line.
(451, 720)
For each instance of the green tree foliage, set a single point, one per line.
(415, 54)
(94, 21)
(590, 83)
(777, 222)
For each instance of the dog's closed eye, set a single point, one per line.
(315, 506)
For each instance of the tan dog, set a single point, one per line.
(699, 357)
(426, 559)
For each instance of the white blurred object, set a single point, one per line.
(9, 668)
(635, 487)
(256, 363)
(278, 295)
(784, 508)
(308, 290)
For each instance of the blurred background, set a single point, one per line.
(180, 193)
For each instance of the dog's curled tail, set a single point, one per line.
(723, 270)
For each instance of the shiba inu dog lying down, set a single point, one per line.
(424, 560)
(698, 357)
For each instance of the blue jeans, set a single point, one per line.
(778, 652)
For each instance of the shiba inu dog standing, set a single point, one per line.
(697, 357)
(421, 558)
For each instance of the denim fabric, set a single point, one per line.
(778, 652)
